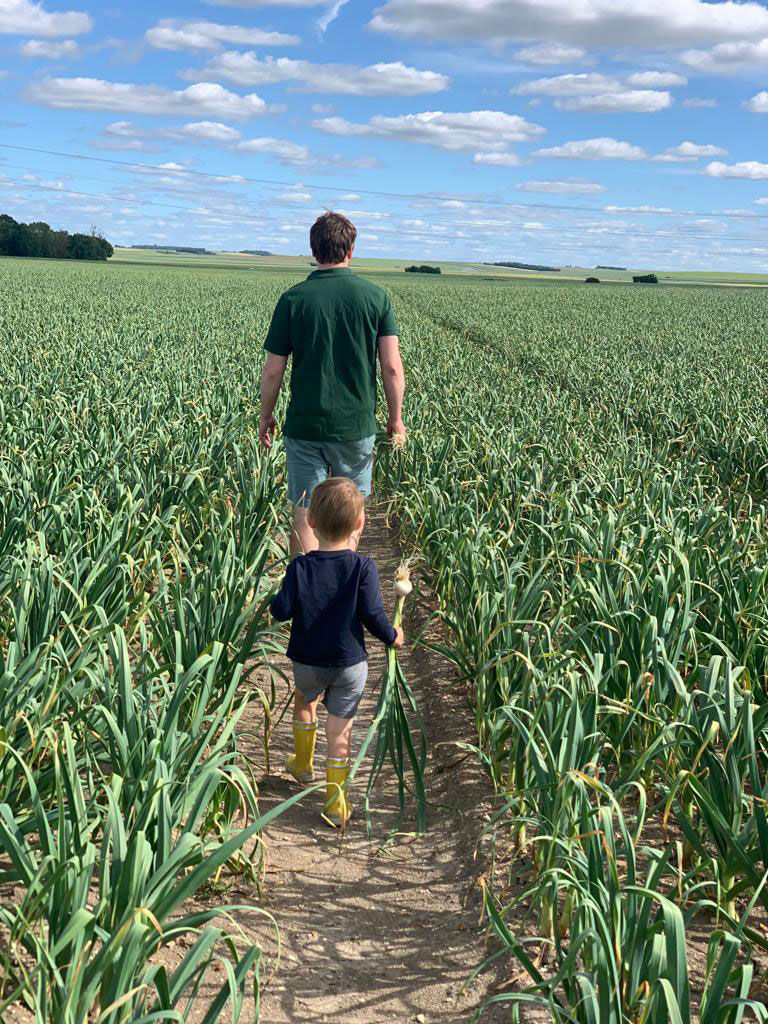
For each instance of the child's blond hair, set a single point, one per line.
(336, 506)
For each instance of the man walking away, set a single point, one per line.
(334, 325)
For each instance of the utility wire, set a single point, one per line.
(377, 226)
(383, 228)
(413, 235)
(422, 196)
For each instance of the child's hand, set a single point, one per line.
(399, 640)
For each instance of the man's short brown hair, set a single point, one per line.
(335, 508)
(332, 237)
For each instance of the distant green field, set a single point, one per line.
(237, 261)
(300, 264)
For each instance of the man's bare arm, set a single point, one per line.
(271, 381)
(393, 379)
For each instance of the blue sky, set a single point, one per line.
(568, 131)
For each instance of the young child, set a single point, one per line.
(330, 595)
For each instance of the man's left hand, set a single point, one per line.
(396, 427)
(267, 430)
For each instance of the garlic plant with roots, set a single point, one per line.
(392, 729)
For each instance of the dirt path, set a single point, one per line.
(366, 936)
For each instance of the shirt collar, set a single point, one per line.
(331, 272)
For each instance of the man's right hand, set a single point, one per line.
(396, 427)
(399, 638)
(267, 430)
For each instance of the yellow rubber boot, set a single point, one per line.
(302, 765)
(338, 809)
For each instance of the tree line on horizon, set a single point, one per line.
(40, 240)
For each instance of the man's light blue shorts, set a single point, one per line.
(311, 462)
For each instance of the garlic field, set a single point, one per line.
(586, 486)
(587, 481)
(138, 516)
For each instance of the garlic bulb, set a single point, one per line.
(403, 585)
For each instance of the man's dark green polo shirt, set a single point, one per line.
(330, 324)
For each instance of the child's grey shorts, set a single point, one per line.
(342, 688)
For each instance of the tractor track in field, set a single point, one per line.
(369, 936)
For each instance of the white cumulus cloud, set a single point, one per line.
(124, 97)
(27, 18)
(584, 83)
(287, 152)
(759, 103)
(488, 130)
(752, 170)
(656, 79)
(654, 23)
(124, 129)
(728, 58)
(49, 48)
(568, 186)
(497, 159)
(628, 101)
(665, 210)
(363, 216)
(396, 79)
(598, 93)
(552, 54)
(594, 149)
(178, 34)
(210, 131)
(124, 135)
(688, 151)
(169, 165)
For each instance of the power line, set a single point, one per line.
(423, 196)
(147, 181)
(110, 198)
(412, 234)
(380, 226)
(236, 218)
(288, 184)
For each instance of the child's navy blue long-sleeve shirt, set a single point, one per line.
(330, 596)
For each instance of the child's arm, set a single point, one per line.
(370, 607)
(283, 603)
